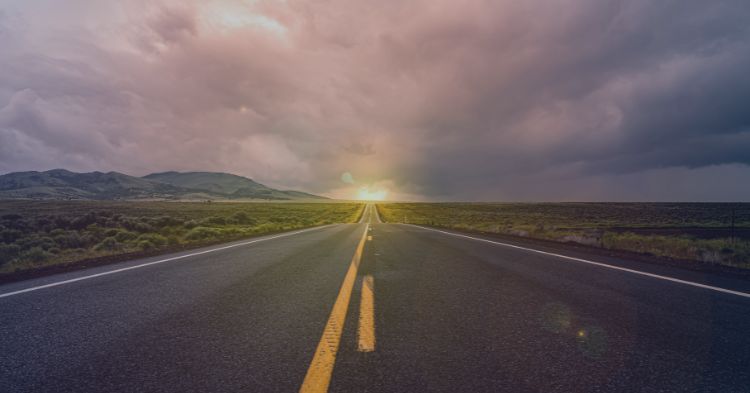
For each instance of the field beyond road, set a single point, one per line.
(711, 233)
(39, 234)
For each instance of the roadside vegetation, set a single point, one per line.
(36, 234)
(685, 231)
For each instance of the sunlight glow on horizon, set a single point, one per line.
(364, 193)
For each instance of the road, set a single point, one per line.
(373, 307)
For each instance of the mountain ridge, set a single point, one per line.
(62, 184)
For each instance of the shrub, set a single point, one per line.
(124, 236)
(154, 238)
(201, 233)
(8, 252)
(36, 254)
(83, 221)
(44, 223)
(10, 235)
(242, 218)
(108, 244)
(166, 221)
(87, 240)
(136, 225)
(45, 242)
(70, 239)
(62, 222)
(216, 221)
(143, 228)
(146, 245)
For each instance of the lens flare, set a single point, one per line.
(368, 194)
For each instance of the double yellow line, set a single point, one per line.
(318, 376)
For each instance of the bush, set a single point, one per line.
(201, 233)
(146, 245)
(142, 228)
(62, 222)
(166, 221)
(83, 221)
(242, 218)
(136, 225)
(44, 223)
(10, 235)
(216, 221)
(154, 238)
(124, 236)
(69, 239)
(108, 244)
(36, 254)
(8, 252)
(45, 242)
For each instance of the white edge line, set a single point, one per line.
(54, 284)
(677, 280)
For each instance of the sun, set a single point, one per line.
(366, 194)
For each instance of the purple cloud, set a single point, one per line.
(477, 100)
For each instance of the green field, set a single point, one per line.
(691, 231)
(36, 234)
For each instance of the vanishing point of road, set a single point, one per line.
(376, 307)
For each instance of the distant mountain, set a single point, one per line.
(221, 183)
(233, 186)
(63, 184)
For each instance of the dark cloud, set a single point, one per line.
(537, 100)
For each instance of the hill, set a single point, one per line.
(232, 186)
(64, 184)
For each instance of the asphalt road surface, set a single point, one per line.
(374, 307)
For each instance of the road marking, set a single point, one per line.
(54, 284)
(318, 376)
(652, 275)
(366, 342)
(377, 215)
(365, 214)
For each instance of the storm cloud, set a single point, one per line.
(434, 100)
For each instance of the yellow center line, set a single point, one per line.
(367, 316)
(318, 376)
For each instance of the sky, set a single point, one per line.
(427, 100)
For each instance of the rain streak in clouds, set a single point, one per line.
(433, 100)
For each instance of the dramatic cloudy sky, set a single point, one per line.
(427, 99)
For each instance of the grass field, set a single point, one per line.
(691, 231)
(36, 234)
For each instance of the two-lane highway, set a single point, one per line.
(240, 319)
(380, 308)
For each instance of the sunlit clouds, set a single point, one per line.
(424, 100)
(365, 193)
